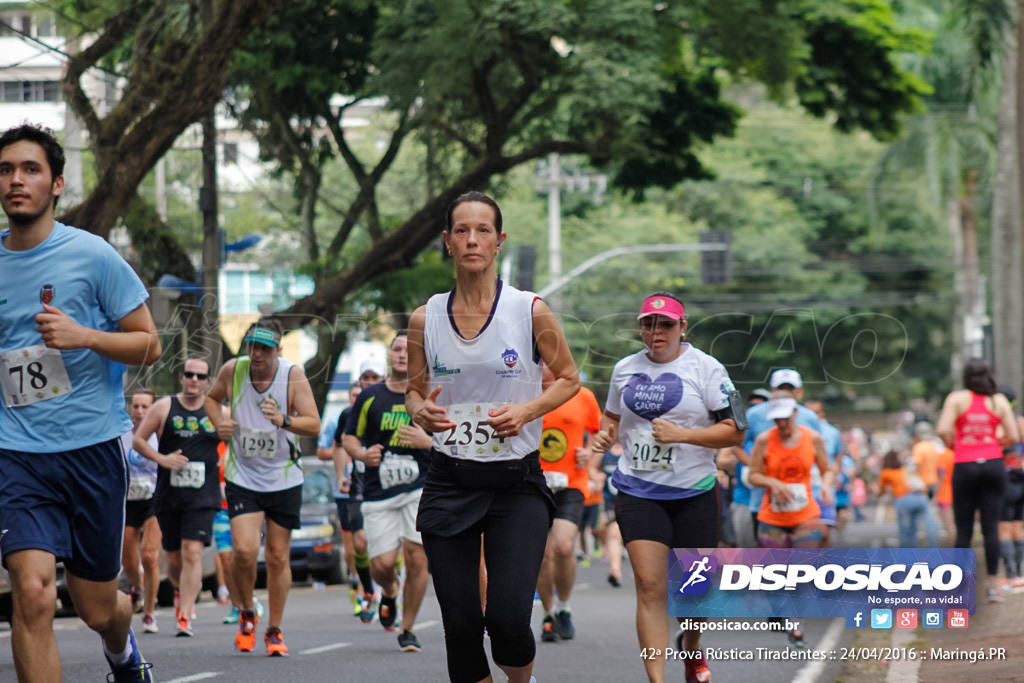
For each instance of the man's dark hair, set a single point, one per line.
(198, 358)
(474, 196)
(400, 333)
(978, 377)
(141, 390)
(43, 137)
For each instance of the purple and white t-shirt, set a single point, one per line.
(683, 391)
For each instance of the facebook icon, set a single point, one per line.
(855, 619)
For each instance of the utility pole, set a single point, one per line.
(552, 179)
(211, 339)
(554, 228)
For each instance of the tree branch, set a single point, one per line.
(114, 30)
(399, 249)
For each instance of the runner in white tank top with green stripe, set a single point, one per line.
(271, 403)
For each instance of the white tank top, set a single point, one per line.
(262, 457)
(496, 367)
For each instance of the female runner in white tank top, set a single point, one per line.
(475, 384)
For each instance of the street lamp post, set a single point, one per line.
(552, 182)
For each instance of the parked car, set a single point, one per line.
(62, 608)
(316, 551)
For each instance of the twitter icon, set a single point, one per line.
(881, 618)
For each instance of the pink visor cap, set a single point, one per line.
(662, 305)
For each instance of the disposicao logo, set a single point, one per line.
(834, 582)
(696, 581)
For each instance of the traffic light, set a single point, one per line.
(716, 266)
(527, 260)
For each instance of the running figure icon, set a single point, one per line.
(697, 569)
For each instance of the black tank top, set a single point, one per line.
(198, 485)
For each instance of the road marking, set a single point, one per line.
(420, 625)
(902, 670)
(813, 669)
(324, 648)
(195, 677)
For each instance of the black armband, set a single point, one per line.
(733, 411)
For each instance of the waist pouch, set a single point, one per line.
(503, 474)
(1016, 475)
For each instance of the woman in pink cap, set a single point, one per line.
(671, 406)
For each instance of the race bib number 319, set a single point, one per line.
(32, 374)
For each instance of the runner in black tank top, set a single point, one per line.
(188, 483)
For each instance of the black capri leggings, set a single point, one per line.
(515, 530)
(979, 486)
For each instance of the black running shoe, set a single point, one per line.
(549, 632)
(563, 624)
(387, 612)
(407, 642)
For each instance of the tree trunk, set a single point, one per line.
(160, 99)
(331, 342)
(974, 299)
(1007, 285)
(956, 238)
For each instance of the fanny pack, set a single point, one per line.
(503, 474)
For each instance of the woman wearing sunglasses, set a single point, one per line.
(670, 406)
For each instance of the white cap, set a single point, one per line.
(781, 408)
(785, 376)
(374, 366)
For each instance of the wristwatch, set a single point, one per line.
(286, 421)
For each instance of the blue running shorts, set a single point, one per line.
(70, 504)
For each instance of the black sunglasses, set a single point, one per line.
(648, 323)
(195, 375)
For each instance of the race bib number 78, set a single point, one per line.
(32, 374)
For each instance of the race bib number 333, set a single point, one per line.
(32, 374)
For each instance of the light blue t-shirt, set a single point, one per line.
(326, 438)
(92, 284)
(833, 439)
(757, 417)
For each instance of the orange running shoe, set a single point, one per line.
(245, 639)
(275, 643)
(184, 627)
(697, 670)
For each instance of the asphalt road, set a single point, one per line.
(328, 643)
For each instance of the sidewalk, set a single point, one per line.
(993, 625)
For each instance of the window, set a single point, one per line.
(230, 152)
(30, 91)
(46, 28)
(13, 22)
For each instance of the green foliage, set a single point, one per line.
(859, 311)
(851, 70)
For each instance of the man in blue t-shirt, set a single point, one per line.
(72, 315)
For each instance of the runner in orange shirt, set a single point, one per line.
(944, 496)
(564, 456)
(925, 455)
